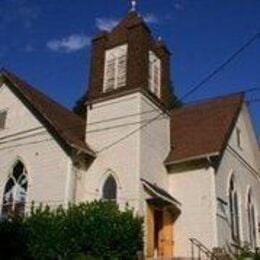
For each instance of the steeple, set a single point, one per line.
(129, 59)
(133, 3)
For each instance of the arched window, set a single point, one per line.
(251, 220)
(14, 197)
(109, 191)
(234, 211)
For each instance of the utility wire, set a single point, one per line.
(222, 66)
(28, 133)
(14, 144)
(157, 117)
(216, 71)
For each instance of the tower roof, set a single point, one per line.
(133, 31)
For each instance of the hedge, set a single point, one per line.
(97, 229)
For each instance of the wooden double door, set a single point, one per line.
(160, 236)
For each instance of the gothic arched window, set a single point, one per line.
(14, 197)
(109, 191)
(234, 211)
(251, 220)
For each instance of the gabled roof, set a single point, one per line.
(203, 129)
(64, 125)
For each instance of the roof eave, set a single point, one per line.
(5, 79)
(192, 158)
(85, 151)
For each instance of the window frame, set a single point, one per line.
(154, 63)
(13, 205)
(110, 180)
(115, 54)
(251, 218)
(234, 210)
(238, 138)
(5, 113)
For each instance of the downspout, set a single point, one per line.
(70, 184)
(214, 201)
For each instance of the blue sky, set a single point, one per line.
(47, 42)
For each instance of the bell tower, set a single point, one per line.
(129, 86)
(128, 59)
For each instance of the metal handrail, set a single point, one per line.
(202, 249)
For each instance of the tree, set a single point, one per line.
(79, 107)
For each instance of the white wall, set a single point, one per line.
(243, 163)
(24, 138)
(139, 155)
(195, 189)
(155, 144)
(108, 122)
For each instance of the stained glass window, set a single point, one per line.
(15, 192)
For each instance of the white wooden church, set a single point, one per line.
(193, 172)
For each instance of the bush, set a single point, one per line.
(13, 239)
(97, 229)
(248, 253)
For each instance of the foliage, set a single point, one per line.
(246, 253)
(80, 108)
(12, 239)
(176, 102)
(87, 231)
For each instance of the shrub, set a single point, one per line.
(248, 253)
(13, 239)
(86, 231)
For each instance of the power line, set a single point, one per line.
(65, 129)
(223, 65)
(256, 100)
(98, 130)
(192, 90)
(149, 121)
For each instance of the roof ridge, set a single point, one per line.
(198, 102)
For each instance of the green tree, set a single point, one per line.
(79, 107)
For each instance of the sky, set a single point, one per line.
(48, 43)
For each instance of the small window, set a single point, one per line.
(238, 136)
(251, 220)
(234, 211)
(154, 74)
(3, 115)
(115, 68)
(110, 189)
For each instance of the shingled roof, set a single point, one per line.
(64, 125)
(203, 129)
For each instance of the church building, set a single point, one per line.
(191, 171)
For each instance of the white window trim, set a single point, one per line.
(116, 53)
(235, 218)
(152, 87)
(17, 183)
(252, 221)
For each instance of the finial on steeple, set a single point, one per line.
(133, 4)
